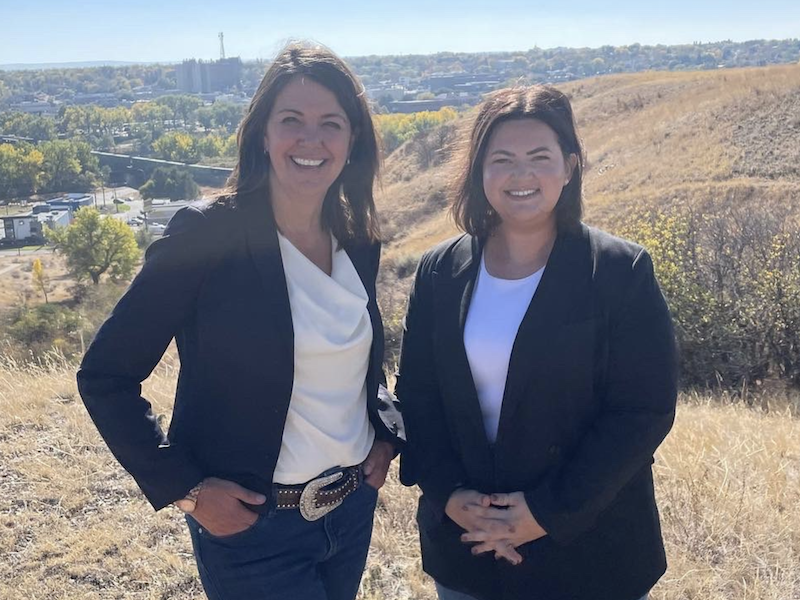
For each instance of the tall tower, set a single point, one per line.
(221, 46)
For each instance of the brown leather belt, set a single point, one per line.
(319, 496)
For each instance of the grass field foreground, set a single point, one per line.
(74, 525)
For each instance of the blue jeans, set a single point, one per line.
(284, 557)
(448, 594)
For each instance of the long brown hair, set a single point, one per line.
(470, 208)
(348, 210)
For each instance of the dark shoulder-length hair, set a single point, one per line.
(470, 208)
(349, 207)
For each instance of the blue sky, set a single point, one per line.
(36, 31)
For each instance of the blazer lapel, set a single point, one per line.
(466, 261)
(262, 244)
(362, 259)
(563, 287)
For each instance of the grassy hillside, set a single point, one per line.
(652, 139)
(724, 145)
(73, 525)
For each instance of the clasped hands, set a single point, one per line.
(496, 522)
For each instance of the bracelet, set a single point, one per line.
(195, 492)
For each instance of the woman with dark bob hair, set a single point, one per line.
(282, 431)
(537, 377)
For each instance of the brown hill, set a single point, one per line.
(651, 139)
(657, 140)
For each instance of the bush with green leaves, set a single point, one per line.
(170, 182)
(732, 280)
(45, 326)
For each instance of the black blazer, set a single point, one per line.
(590, 394)
(215, 283)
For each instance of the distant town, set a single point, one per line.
(151, 134)
(395, 84)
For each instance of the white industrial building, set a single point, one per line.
(29, 227)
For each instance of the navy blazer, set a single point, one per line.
(590, 394)
(215, 283)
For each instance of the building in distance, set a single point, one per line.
(29, 228)
(200, 77)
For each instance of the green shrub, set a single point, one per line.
(732, 280)
(45, 326)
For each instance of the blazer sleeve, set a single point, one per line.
(127, 348)
(429, 458)
(638, 412)
(394, 429)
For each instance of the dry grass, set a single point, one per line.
(73, 525)
(16, 281)
(659, 137)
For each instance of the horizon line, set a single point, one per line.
(121, 63)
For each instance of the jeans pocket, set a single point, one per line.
(233, 537)
(371, 488)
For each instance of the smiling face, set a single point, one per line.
(524, 171)
(308, 138)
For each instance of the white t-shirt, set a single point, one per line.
(327, 424)
(495, 313)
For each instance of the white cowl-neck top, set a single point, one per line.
(327, 424)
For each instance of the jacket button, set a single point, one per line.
(554, 449)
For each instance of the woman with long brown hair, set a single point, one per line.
(281, 434)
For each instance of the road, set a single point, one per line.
(11, 252)
(136, 204)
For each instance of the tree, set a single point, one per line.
(25, 125)
(230, 147)
(177, 146)
(170, 182)
(227, 115)
(182, 107)
(150, 117)
(21, 170)
(68, 164)
(210, 146)
(40, 278)
(95, 245)
(205, 117)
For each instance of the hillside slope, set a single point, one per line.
(652, 139)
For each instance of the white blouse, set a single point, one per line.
(327, 424)
(495, 313)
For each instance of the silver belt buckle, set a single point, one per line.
(309, 508)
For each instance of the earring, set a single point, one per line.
(348, 161)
